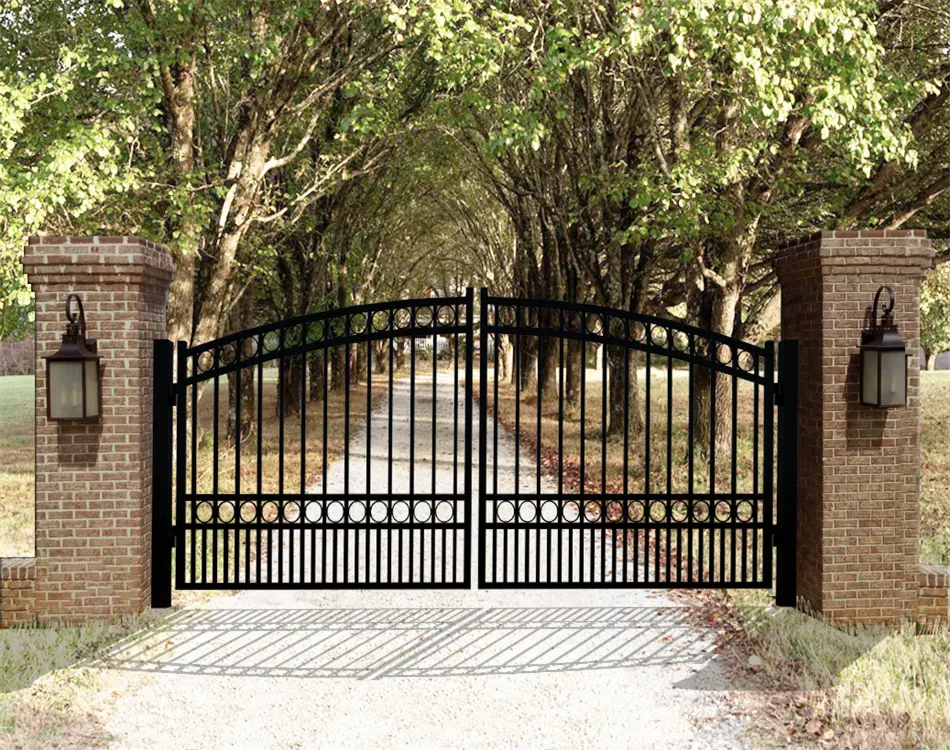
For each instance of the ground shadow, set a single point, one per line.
(424, 642)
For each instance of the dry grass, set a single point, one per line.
(48, 698)
(270, 439)
(867, 688)
(16, 466)
(659, 456)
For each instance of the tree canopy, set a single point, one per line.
(645, 154)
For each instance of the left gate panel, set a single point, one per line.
(380, 394)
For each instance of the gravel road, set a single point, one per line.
(396, 668)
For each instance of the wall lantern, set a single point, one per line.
(72, 374)
(883, 359)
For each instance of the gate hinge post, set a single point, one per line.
(778, 393)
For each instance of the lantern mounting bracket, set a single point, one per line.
(76, 328)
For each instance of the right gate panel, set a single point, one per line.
(621, 450)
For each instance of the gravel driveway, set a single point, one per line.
(551, 669)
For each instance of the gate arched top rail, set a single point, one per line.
(409, 318)
(646, 333)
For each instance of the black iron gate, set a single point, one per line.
(666, 484)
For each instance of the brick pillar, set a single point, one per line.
(858, 466)
(93, 481)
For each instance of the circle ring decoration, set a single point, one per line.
(204, 512)
(248, 512)
(505, 511)
(446, 315)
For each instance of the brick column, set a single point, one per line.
(858, 466)
(93, 481)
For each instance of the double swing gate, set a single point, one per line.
(335, 450)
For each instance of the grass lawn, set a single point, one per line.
(935, 468)
(48, 698)
(16, 466)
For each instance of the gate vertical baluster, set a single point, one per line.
(412, 450)
(389, 467)
(689, 452)
(435, 371)
(302, 505)
(735, 505)
(581, 505)
(517, 511)
(192, 505)
(181, 426)
(647, 483)
(603, 455)
(367, 537)
(260, 471)
(537, 516)
(561, 376)
(469, 404)
(236, 518)
(323, 469)
(482, 430)
(346, 452)
(755, 471)
(768, 458)
(369, 432)
(281, 374)
(494, 507)
(214, 473)
(624, 518)
(455, 457)
(712, 471)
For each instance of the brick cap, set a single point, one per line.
(851, 234)
(906, 252)
(934, 576)
(17, 568)
(72, 258)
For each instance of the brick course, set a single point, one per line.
(17, 597)
(933, 600)
(93, 481)
(858, 466)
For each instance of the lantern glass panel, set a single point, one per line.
(92, 388)
(869, 376)
(65, 389)
(893, 378)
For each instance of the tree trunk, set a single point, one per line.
(337, 368)
(717, 314)
(242, 318)
(381, 357)
(235, 217)
(548, 363)
(400, 359)
(573, 363)
(616, 358)
(930, 356)
(358, 373)
(293, 372)
(317, 380)
(528, 361)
